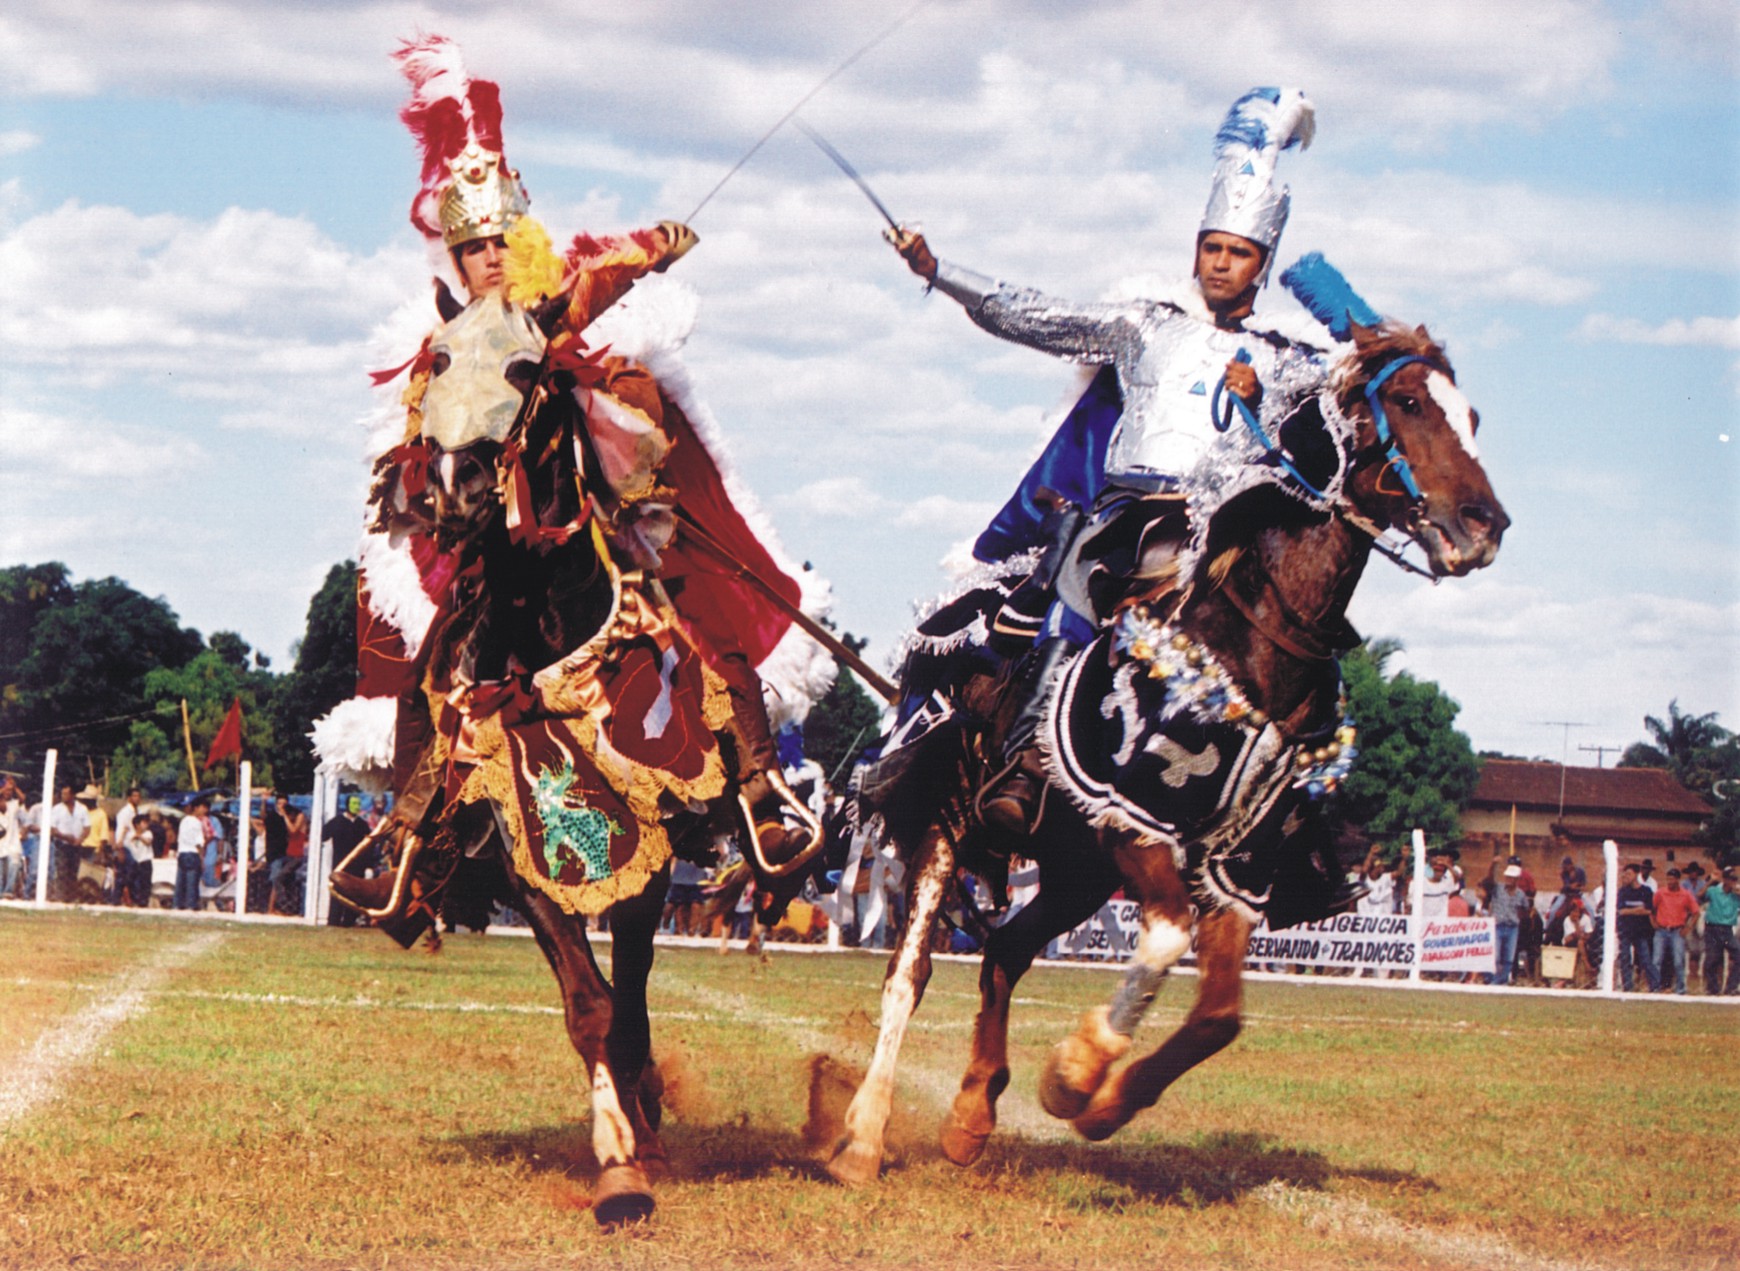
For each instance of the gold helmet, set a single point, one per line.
(484, 198)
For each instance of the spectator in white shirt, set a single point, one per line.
(190, 855)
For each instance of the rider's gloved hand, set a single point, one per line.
(680, 239)
(913, 249)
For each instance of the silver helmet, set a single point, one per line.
(1245, 199)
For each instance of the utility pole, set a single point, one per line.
(1565, 756)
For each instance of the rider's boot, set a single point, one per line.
(784, 834)
(1012, 799)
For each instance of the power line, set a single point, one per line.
(60, 729)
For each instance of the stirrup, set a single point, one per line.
(398, 898)
(790, 808)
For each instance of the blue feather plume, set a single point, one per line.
(1319, 286)
(1247, 124)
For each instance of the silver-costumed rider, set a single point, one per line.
(1167, 354)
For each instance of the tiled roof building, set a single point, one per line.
(1552, 811)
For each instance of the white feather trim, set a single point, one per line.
(354, 741)
(395, 589)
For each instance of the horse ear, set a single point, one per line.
(1362, 334)
(445, 302)
(1425, 335)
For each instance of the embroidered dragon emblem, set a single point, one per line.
(571, 832)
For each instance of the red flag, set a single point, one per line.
(229, 738)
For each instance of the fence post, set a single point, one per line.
(1417, 899)
(244, 840)
(1609, 913)
(44, 839)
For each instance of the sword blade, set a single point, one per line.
(840, 162)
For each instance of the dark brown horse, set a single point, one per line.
(1252, 647)
(559, 712)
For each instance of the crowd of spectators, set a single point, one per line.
(1670, 931)
(1667, 929)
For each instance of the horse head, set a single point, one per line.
(1416, 465)
(483, 361)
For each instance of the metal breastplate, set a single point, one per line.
(471, 400)
(1166, 427)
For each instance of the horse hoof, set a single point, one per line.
(854, 1163)
(622, 1196)
(1106, 1114)
(961, 1143)
(1058, 1097)
(1078, 1065)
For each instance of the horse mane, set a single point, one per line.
(1376, 347)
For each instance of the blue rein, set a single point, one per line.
(1222, 417)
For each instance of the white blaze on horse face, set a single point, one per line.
(1457, 412)
(612, 1136)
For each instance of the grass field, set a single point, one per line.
(180, 1094)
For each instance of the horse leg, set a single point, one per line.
(857, 1155)
(633, 923)
(1066, 899)
(1222, 939)
(1078, 1064)
(623, 1192)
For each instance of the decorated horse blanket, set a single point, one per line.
(588, 769)
(1149, 734)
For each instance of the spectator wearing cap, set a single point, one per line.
(1507, 905)
(1646, 875)
(1634, 905)
(1572, 873)
(1721, 910)
(1674, 908)
(346, 830)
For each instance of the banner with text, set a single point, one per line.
(1385, 942)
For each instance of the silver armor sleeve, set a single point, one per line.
(1095, 333)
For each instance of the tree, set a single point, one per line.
(81, 674)
(1415, 770)
(1704, 757)
(324, 676)
(845, 721)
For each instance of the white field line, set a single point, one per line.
(36, 1078)
(1347, 1215)
(784, 948)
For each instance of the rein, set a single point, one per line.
(1388, 445)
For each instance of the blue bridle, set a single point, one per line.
(1387, 439)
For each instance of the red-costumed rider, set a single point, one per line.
(567, 604)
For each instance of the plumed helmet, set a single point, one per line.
(468, 190)
(1245, 198)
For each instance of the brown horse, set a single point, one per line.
(1252, 644)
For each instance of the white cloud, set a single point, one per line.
(17, 141)
(1516, 656)
(1722, 333)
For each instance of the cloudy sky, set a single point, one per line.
(202, 220)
